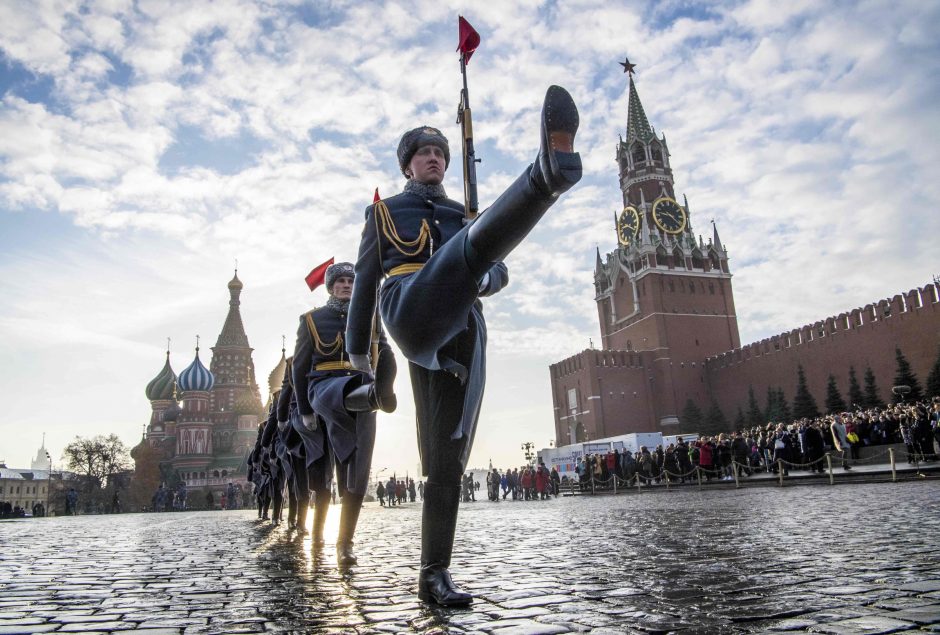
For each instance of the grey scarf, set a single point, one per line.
(424, 190)
(338, 305)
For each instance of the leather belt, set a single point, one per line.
(405, 269)
(333, 366)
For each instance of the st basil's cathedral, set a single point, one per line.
(205, 420)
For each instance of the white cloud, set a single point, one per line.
(809, 132)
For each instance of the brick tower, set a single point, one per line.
(664, 304)
(235, 401)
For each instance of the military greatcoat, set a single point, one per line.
(322, 378)
(429, 304)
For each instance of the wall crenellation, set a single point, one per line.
(871, 315)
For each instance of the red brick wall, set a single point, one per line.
(861, 337)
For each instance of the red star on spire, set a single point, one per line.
(627, 66)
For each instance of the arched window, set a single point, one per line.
(639, 154)
(656, 152)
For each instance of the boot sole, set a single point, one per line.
(424, 596)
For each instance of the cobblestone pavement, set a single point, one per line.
(842, 560)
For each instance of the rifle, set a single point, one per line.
(471, 203)
(469, 40)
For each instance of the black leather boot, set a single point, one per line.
(348, 519)
(321, 506)
(378, 394)
(503, 225)
(291, 511)
(301, 523)
(438, 524)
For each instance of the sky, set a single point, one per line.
(146, 146)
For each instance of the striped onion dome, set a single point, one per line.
(196, 376)
(161, 386)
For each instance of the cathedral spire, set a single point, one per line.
(233, 331)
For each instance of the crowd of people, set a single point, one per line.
(177, 498)
(398, 491)
(802, 445)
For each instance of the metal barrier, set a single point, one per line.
(638, 478)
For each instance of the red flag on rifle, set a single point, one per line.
(469, 39)
(316, 277)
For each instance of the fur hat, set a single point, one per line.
(334, 271)
(414, 139)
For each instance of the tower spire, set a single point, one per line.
(638, 126)
(233, 331)
(716, 241)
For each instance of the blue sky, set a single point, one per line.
(144, 146)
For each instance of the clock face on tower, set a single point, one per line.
(628, 225)
(668, 215)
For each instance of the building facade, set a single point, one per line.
(669, 330)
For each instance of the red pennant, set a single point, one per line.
(316, 277)
(376, 198)
(469, 39)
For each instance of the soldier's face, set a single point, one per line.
(342, 288)
(427, 165)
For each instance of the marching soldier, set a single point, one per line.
(436, 266)
(296, 456)
(340, 401)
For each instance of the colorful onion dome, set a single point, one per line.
(276, 378)
(161, 386)
(196, 376)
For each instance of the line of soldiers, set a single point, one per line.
(322, 422)
(422, 268)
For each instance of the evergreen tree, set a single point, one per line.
(715, 421)
(772, 413)
(740, 422)
(692, 417)
(786, 416)
(754, 416)
(834, 400)
(933, 379)
(905, 377)
(872, 400)
(804, 406)
(856, 397)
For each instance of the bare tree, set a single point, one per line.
(97, 458)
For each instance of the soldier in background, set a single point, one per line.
(340, 401)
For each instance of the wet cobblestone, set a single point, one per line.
(859, 559)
